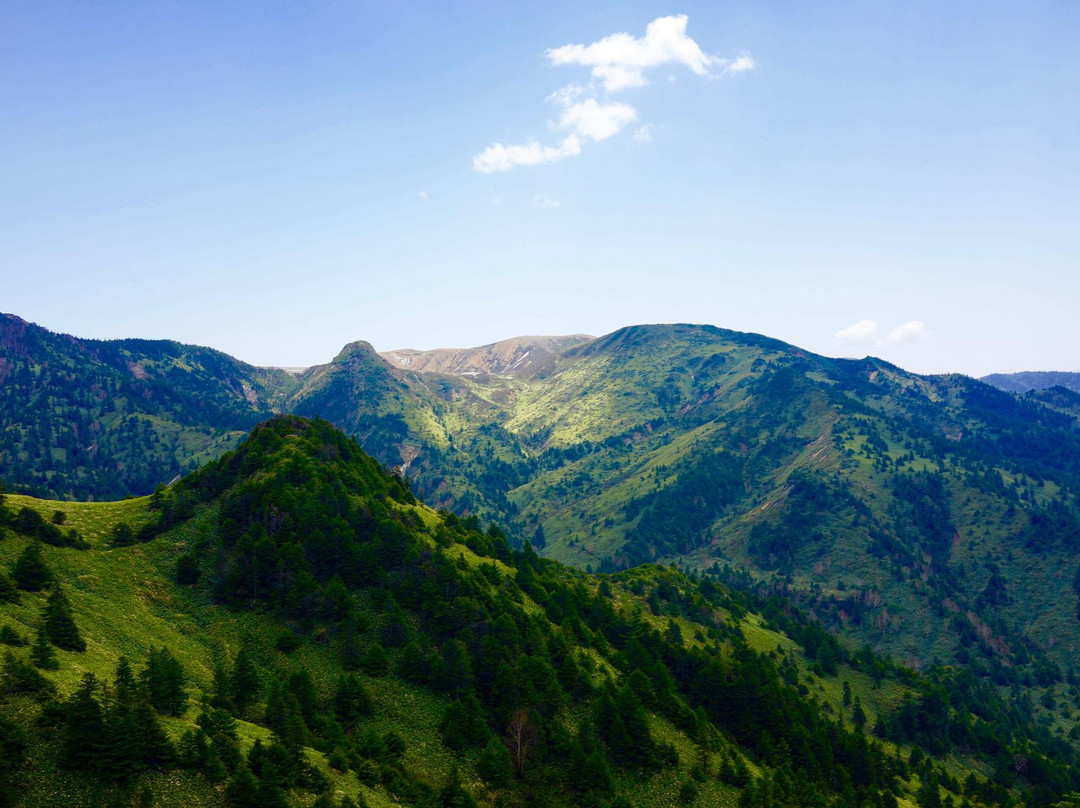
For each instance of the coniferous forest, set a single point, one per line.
(315, 635)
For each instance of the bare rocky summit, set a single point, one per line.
(517, 356)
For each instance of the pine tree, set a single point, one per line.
(164, 679)
(494, 765)
(82, 744)
(60, 623)
(454, 671)
(929, 795)
(9, 593)
(453, 794)
(244, 684)
(30, 571)
(375, 661)
(242, 790)
(42, 654)
(637, 745)
(414, 665)
(463, 725)
(125, 684)
(351, 700)
(21, 677)
(157, 749)
(294, 732)
(121, 750)
(9, 636)
(301, 685)
(221, 699)
(220, 727)
(122, 535)
(858, 715)
(187, 570)
(13, 745)
(270, 793)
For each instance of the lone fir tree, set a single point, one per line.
(60, 623)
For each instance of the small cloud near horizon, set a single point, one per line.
(915, 329)
(857, 332)
(865, 332)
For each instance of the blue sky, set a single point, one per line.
(278, 179)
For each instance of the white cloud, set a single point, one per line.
(565, 96)
(915, 329)
(498, 157)
(866, 332)
(741, 64)
(857, 332)
(595, 120)
(620, 60)
(423, 195)
(545, 201)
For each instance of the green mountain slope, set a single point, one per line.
(934, 518)
(317, 635)
(890, 501)
(92, 418)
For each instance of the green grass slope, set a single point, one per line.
(485, 675)
(890, 500)
(934, 518)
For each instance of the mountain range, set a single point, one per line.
(882, 501)
(1034, 380)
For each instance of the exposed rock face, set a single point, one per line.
(518, 356)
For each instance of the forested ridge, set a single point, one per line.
(540, 684)
(934, 519)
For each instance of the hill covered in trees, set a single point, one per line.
(290, 626)
(883, 502)
(105, 419)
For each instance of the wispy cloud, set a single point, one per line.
(618, 62)
(423, 195)
(545, 201)
(865, 332)
(743, 63)
(598, 121)
(498, 157)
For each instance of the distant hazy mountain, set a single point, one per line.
(1034, 380)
